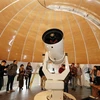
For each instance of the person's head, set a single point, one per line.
(78, 65)
(28, 64)
(15, 61)
(63, 66)
(94, 68)
(21, 66)
(3, 62)
(73, 64)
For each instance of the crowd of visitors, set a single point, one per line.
(25, 72)
(11, 71)
(73, 76)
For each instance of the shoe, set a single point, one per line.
(12, 90)
(72, 88)
(7, 91)
(20, 88)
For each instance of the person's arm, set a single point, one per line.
(98, 73)
(81, 70)
(1, 71)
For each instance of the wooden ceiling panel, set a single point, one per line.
(96, 33)
(26, 58)
(23, 23)
(90, 41)
(15, 55)
(5, 3)
(76, 38)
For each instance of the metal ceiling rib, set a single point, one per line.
(77, 11)
(28, 32)
(83, 40)
(23, 23)
(9, 5)
(94, 35)
(37, 36)
(72, 39)
(19, 26)
(15, 16)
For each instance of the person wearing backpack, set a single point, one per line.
(11, 72)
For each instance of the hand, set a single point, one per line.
(5, 69)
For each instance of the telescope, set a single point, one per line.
(53, 41)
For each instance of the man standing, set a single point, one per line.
(28, 73)
(74, 76)
(12, 69)
(67, 78)
(79, 74)
(2, 69)
(62, 68)
(43, 78)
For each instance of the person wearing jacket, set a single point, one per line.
(43, 78)
(28, 73)
(11, 72)
(21, 76)
(2, 70)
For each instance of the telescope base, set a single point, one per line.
(46, 95)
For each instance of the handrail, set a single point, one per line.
(32, 79)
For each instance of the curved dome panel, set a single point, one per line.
(23, 22)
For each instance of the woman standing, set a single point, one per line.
(21, 76)
(28, 73)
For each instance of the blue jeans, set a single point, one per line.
(74, 82)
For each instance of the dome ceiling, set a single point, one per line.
(23, 22)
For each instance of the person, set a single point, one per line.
(21, 76)
(98, 77)
(70, 77)
(79, 74)
(92, 74)
(2, 69)
(53, 38)
(66, 80)
(28, 73)
(43, 78)
(62, 68)
(6, 67)
(11, 72)
(74, 76)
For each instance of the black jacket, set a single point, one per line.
(41, 72)
(1, 70)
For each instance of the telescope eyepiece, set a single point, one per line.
(52, 36)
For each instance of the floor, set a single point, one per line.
(28, 94)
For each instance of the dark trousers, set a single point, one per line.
(68, 77)
(66, 87)
(1, 82)
(28, 81)
(21, 81)
(10, 82)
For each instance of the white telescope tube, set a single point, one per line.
(53, 40)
